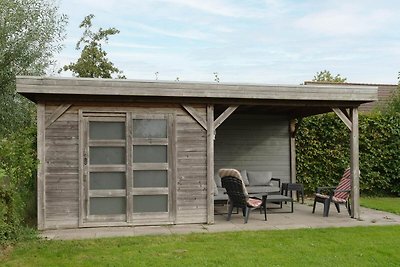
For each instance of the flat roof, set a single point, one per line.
(36, 88)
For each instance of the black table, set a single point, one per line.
(270, 198)
(299, 188)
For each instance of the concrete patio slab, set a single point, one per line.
(301, 218)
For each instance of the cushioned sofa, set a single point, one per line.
(256, 182)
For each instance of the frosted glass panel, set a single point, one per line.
(149, 154)
(149, 128)
(107, 155)
(150, 179)
(157, 203)
(107, 180)
(107, 205)
(106, 130)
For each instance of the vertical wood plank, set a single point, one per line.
(82, 143)
(129, 166)
(41, 190)
(210, 163)
(172, 142)
(354, 165)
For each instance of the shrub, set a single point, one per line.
(18, 166)
(323, 144)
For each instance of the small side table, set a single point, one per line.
(299, 188)
(275, 199)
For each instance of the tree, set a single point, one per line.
(93, 62)
(31, 32)
(393, 107)
(326, 76)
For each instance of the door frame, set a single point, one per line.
(130, 218)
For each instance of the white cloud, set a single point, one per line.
(346, 20)
(217, 7)
(186, 34)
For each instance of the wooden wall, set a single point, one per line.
(61, 169)
(60, 189)
(192, 168)
(254, 142)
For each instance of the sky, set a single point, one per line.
(252, 41)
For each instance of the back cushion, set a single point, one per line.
(259, 177)
(215, 189)
(217, 180)
(344, 184)
(243, 173)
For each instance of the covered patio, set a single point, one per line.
(302, 218)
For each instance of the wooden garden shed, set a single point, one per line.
(125, 152)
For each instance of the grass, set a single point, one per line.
(357, 246)
(389, 204)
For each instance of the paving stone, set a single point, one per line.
(301, 218)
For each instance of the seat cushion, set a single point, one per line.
(254, 202)
(334, 199)
(321, 195)
(339, 200)
(262, 189)
(221, 196)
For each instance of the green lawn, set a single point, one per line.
(389, 204)
(358, 246)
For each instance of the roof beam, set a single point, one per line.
(57, 114)
(224, 116)
(195, 115)
(343, 117)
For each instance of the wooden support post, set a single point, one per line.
(354, 165)
(210, 164)
(41, 190)
(292, 127)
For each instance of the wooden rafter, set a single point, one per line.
(224, 116)
(57, 114)
(195, 115)
(343, 117)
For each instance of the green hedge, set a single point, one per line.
(323, 145)
(18, 166)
